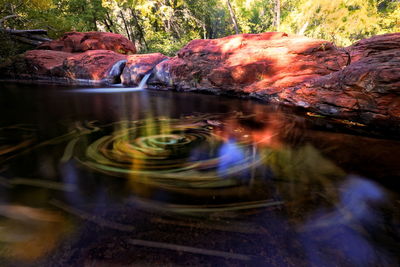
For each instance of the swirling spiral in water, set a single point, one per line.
(170, 153)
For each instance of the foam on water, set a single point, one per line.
(117, 88)
(143, 82)
(106, 90)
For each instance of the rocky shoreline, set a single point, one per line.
(360, 83)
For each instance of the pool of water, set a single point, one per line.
(167, 178)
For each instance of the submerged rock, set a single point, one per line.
(74, 42)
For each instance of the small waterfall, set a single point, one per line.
(116, 88)
(116, 71)
(143, 82)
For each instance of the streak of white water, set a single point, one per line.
(116, 88)
(143, 82)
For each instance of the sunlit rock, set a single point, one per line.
(44, 64)
(90, 67)
(96, 65)
(250, 62)
(367, 90)
(358, 83)
(82, 41)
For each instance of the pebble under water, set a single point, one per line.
(165, 178)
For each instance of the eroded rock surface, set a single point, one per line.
(139, 65)
(77, 58)
(75, 42)
(366, 90)
(360, 82)
(270, 60)
(93, 66)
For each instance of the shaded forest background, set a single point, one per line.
(166, 25)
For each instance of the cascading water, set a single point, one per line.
(117, 87)
(143, 82)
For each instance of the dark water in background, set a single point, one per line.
(163, 178)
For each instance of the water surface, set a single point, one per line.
(165, 178)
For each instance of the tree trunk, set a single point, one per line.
(126, 26)
(6, 18)
(303, 29)
(233, 17)
(138, 27)
(26, 40)
(110, 22)
(95, 24)
(277, 14)
(33, 37)
(107, 25)
(20, 32)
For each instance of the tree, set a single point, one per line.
(342, 21)
(277, 14)
(166, 25)
(233, 16)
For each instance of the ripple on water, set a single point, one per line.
(175, 154)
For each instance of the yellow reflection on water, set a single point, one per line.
(27, 233)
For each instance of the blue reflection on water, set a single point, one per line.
(346, 228)
(69, 175)
(357, 197)
(230, 154)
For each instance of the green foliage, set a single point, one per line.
(166, 25)
(9, 47)
(255, 16)
(163, 43)
(342, 21)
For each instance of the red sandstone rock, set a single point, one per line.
(36, 64)
(234, 62)
(94, 66)
(374, 45)
(139, 65)
(82, 41)
(360, 82)
(76, 57)
(45, 63)
(367, 90)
